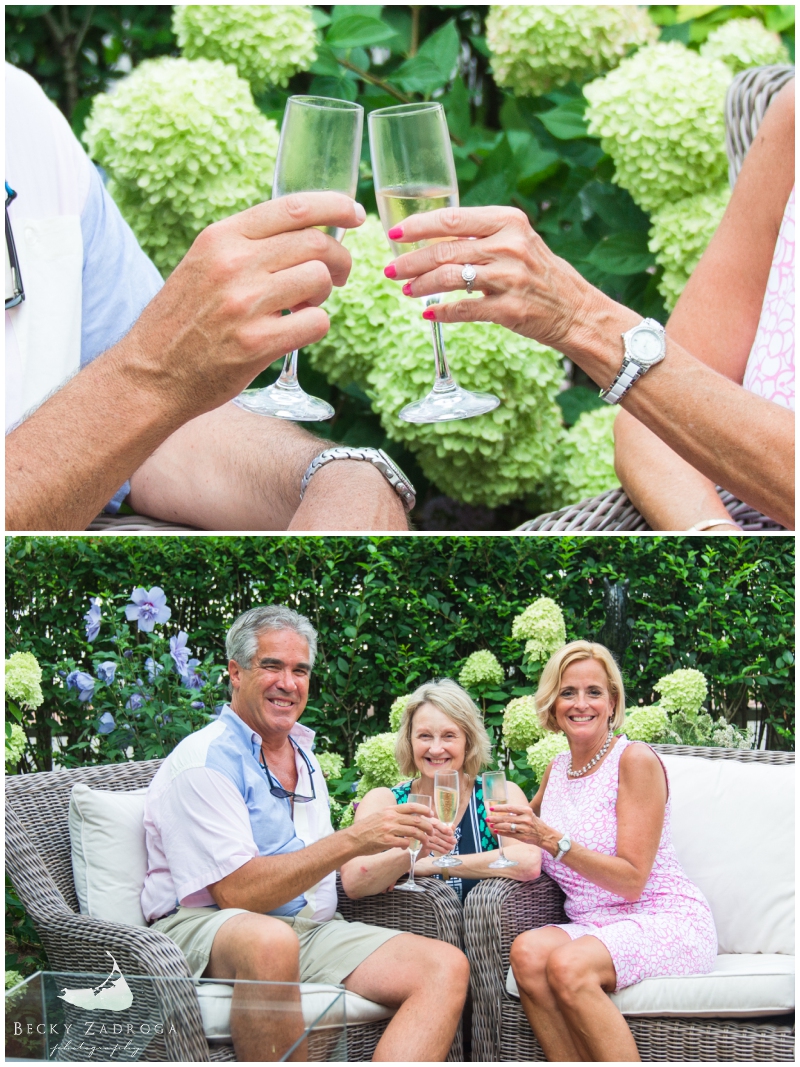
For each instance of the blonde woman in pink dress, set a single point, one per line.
(602, 820)
(700, 416)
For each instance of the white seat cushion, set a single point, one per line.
(109, 856)
(733, 830)
(215, 1008)
(743, 985)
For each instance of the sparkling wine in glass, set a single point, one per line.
(494, 788)
(446, 800)
(413, 170)
(411, 886)
(319, 150)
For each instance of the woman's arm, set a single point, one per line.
(716, 318)
(641, 802)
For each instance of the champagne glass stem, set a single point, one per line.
(443, 380)
(413, 865)
(288, 376)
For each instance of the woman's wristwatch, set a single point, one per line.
(564, 845)
(645, 345)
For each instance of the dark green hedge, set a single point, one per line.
(392, 612)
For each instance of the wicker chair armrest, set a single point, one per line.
(436, 913)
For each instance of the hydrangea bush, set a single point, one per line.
(660, 116)
(379, 340)
(542, 626)
(683, 690)
(23, 680)
(376, 760)
(521, 726)
(15, 745)
(332, 764)
(540, 754)
(679, 235)
(583, 462)
(266, 44)
(649, 724)
(743, 43)
(482, 668)
(535, 49)
(184, 146)
(396, 713)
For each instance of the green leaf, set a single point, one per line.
(622, 253)
(325, 63)
(343, 11)
(457, 109)
(566, 122)
(341, 88)
(480, 46)
(443, 47)
(686, 12)
(575, 401)
(321, 20)
(358, 31)
(779, 17)
(418, 75)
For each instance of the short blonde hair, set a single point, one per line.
(550, 682)
(460, 708)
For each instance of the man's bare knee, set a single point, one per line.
(257, 947)
(442, 966)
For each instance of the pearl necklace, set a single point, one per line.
(591, 763)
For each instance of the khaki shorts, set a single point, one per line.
(329, 951)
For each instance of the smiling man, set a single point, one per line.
(242, 859)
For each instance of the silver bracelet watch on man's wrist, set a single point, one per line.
(645, 345)
(377, 457)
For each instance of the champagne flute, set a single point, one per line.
(319, 150)
(411, 886)
(494, 788)
(446, 799)
(413, 170)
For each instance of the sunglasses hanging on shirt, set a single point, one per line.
(15, 293)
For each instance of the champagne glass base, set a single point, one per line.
(447, 861)
(280, 401)
(449, 404)
(501, 861)
(410, 887)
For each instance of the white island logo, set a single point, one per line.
(113, 994)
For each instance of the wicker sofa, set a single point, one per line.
(715, 792)
(39, 862)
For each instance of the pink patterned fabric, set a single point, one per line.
(770, 366)
(670, 929)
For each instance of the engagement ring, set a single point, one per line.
(513, 828)
(469, 274)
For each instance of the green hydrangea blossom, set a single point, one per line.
(660, 116)
(646, 724)
(684, 690)
(583, 462)
(332, 764)
(12, 978)
(540, 754)
(743, 43)
(679, 235)
(535, 49)
(15, 745)
(542, 623)
(379, 340)
(376, 760)
(396, 712)
(521, 726)
(24, 680)
(690, 729)
(266, 44)
(726, 735)
(481, 668)
(184, 146)
(347, 816)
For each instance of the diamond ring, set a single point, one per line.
(469, 274)
(513, 828)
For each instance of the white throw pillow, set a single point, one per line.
(109, 856)
(733, 830)
(745, 985)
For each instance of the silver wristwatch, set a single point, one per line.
(645, 345)
(377, 457)
(564, 845)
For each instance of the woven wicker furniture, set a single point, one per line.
(496, 911)
(746, 102)
(38, 860)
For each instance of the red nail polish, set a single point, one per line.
(407, 289)
(390, 271)
(395, 233)
(429, 314)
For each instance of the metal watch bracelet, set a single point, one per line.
(377, 457)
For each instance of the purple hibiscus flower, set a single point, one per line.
(148, 606)
(198, 704)
(107, 723)
(180, 653)
(152, 669)
(106, 671)
(134, 702)
(83, 682)
(92, 619)
(193, 680)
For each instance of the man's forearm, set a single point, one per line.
(267, 882)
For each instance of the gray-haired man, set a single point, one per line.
(242, 855)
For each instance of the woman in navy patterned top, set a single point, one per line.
(441, 730)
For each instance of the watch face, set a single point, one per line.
(646, 346)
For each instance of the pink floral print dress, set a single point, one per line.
(670, 929)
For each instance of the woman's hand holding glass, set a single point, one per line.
(521, 824)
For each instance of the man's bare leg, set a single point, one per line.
(260, 948)
(427, 981)
(232, 470)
